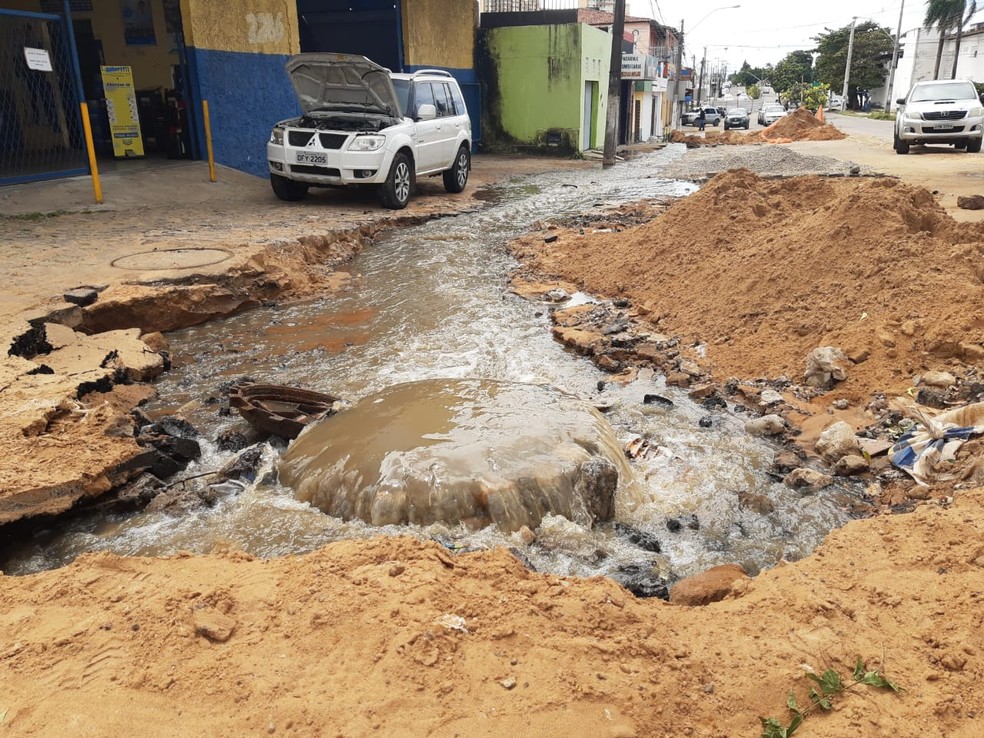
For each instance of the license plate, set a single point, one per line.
(305, 158)
(943, 127)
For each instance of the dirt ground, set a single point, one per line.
(395, 637)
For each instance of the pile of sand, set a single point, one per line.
(763, 271)
(800, 125)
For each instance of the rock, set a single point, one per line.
(767, 425)
(212, 624)
(706, 422)
(970, 202)
(887, 339)
(510, 682)
(786, 462)
(930, 397)
(836, 441)
(770, 397)
(851, 465)
(909, 328)
(709, 586)
(657, 400)
(642, 581)
(702, 391)
(691, 368)
(242, 467)
(552, 238)
(824, 365)
(155, 341)
(642, 539)
(556, 295)
(81, 296)
(231, 439)
(809, 480)
(841, 404)
(938, 379)
(760, 504)
(678, 379)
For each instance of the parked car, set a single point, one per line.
(711, 117)
(364, 125)
(940, 111)
(834, 102)
(736, 118)
(769, 114)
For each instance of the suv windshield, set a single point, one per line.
(402, 87)
(950, 91)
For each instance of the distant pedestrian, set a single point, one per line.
(701, 120)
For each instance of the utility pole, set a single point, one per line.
(675, 99)
(614, 85)
(700, 82)
(847, 67)
(895, 61)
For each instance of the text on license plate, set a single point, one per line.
(304, 158)
(943, 127)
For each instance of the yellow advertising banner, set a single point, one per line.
(121, 106)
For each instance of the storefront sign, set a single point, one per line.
(37, 59)
(632, 65)
(121, 107)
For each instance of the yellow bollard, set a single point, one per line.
(96, 186)
(208, 141)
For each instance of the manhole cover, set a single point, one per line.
(168, 259)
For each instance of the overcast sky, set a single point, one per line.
(764, 31)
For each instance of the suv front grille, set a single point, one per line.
(332, 140)
(945, 115)
(299, 138)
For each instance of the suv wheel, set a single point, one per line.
(456, 177)
(974, 146)
(287, 189)
(901, 147)
(394, 193)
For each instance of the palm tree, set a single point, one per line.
(970, 7)
(948, 15)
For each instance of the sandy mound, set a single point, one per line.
(392, 637)
(763, 271)
(800, 125)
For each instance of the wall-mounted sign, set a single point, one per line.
(37, 59)
(121, 109)
(632, 65)
(138, 23)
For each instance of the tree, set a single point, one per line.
(748, 75)
(795, 68)
(970, 7)
(872, 48)
(947, 15)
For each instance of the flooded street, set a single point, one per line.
(430, 302)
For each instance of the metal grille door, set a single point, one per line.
(40, 122)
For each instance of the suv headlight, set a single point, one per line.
(975, 112)
(367, 143)
(277, 136)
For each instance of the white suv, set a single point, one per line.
(940, 111)
(364, 125)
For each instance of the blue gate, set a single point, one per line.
(40, 121)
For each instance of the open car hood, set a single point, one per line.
(343, 82)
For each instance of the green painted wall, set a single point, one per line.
(540, 83)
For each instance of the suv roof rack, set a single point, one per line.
(440, 72)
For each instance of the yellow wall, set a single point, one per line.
(439, 33)
(256, 26)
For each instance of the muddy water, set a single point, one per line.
(430, 302)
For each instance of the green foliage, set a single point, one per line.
(872, 44)
(815, 97)
(796, 68)
(827, 686)
(754, 92)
